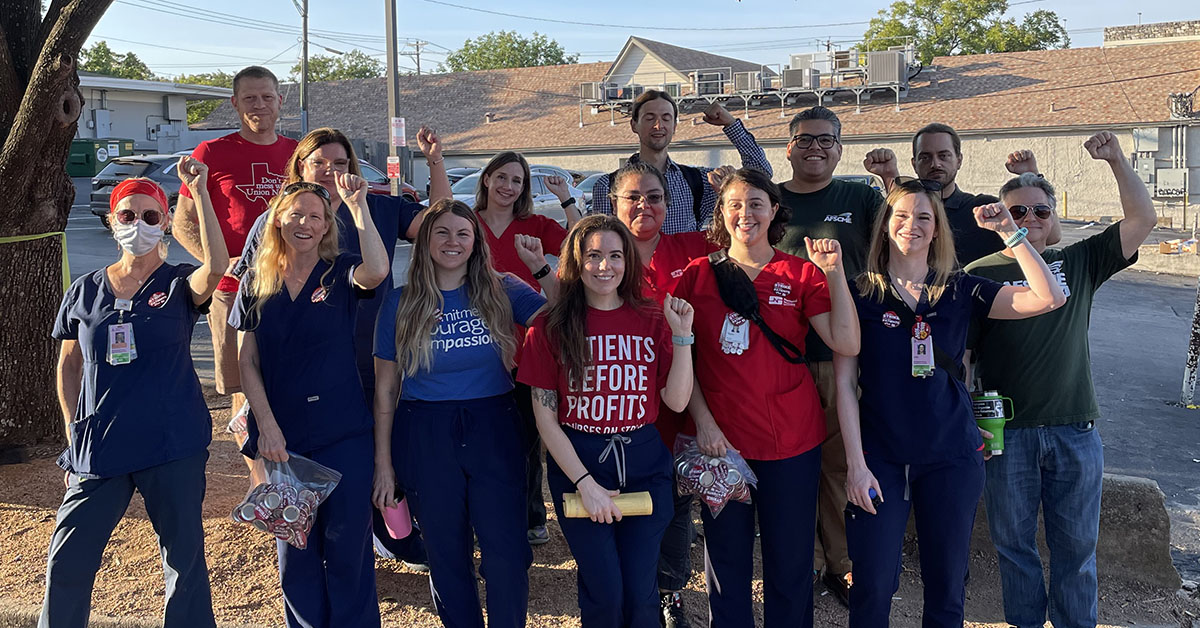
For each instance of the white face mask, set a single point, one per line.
(137, 238)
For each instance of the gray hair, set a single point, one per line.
(1029, 180)
(816, 113)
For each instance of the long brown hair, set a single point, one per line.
(421, 301)
(874, 282)
(566, 322)
(523, 206)
(310, 143)
(266, 277)
(719, 235)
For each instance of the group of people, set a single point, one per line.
(825, 331)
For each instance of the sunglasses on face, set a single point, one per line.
(914, 184)
(305, 186)
(650, 199)
(1020, 211)
(149, 216)
(804, 140)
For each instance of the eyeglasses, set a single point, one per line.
(804, 140)
(305, 186)
(149, 216)
(340, 165)
(650, 199)
(914, 184)
(1020, 211)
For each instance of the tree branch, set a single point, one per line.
(10, 86)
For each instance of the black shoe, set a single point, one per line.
(672, 611)
(839, 586)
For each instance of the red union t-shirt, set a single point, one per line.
(631, 357)
(767, 407)
(243, 177)
(672, 254)
(504, 248)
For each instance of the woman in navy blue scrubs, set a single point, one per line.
(444, 348)
(296, 312)
(911, 439)
(134, 411)
(319, 158)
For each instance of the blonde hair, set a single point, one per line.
(421, 301)
(266, 277)
(874, 282)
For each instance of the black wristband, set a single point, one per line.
(567, 203)
(582, 478)
(543, 272)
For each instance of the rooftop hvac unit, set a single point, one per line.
(885, 67)
(708, 83)
(673, 89)
(807, 78)
(591, 91)
(843, 59)
(808, 60)
(747, 82)
(630, 92)
(611, 91)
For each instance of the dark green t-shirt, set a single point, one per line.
(842, 210)
(1043, 363)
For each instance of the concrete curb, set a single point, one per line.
(13, 615)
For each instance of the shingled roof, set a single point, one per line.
(685, 59)
(538, 108)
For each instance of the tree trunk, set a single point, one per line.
(39, 107)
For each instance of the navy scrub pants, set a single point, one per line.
(535, 506)
(617, 564)
(675, 553)
(464, 466)
(410, 549)
(943, 497)
(331, 583)
(92, 508)
(785, 501)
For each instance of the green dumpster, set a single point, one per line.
(89, 156)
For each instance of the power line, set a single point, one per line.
(644, 27)
(142, 43)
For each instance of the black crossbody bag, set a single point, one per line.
(737, 291)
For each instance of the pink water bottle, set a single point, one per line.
(398, 520)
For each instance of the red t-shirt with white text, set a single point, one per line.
(631, 357)
(243, 177)
(767, 408)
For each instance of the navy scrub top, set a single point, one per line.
(306, 355)
(918, 420)
(392, 216)
(150, 411)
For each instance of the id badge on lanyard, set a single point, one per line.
(122, 349)
(922, 349)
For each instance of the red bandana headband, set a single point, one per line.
(129, 187)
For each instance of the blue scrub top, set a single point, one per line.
(150, 411)
(306, 356)
(918, 420)
(392, 216)
(466, 364)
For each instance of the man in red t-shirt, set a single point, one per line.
(245, 170)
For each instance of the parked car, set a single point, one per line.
(865, 179)
(586, 186)
(380, 183)
(562, 172)
(454, 175)
(544, 201)
(160, 168)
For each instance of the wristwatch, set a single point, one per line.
(545, 270)
(567, 203)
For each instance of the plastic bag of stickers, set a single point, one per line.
(715, 480)
(237, 425)
(284, 497)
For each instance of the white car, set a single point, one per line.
(544, 201)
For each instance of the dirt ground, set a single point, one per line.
(245, 581)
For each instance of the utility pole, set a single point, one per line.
(393, 82)
(302, 7)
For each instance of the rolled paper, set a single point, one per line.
(631, 505)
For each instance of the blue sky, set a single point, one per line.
(175, 37)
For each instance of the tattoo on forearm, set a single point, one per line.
(548, 398)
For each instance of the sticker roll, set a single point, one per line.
(631, 505)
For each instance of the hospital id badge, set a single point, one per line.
(922, 357)
(120, 344)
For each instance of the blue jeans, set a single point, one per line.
(1060, 468)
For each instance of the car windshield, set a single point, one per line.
(126, 168)
(586, 184)
(371, 173)
(465, 185)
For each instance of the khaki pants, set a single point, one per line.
(829, 544)
(224, 339)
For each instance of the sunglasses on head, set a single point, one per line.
(1020, 211)
(305, 186)
(149, 216)
(914, 184)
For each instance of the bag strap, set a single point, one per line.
(737, 291)
(695, 181)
